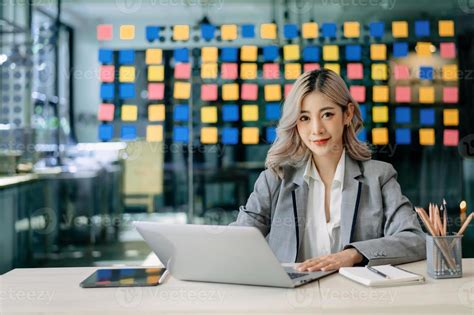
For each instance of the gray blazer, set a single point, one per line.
(376, 218)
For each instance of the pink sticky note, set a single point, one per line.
(450, 94)
(229, 71)
(106, 112)
(249, 92)
(209, 92)
(311, 67)
(107, 73)
(104, 32)
(358, 92)
(402, 94)
(288, 87)
(447, 50)
(401, 72)
(450, 137)
(182, 71)
(355, 71)
(156, 91)
(271, 71)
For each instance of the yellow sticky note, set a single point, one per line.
(426, 94)
(209, 70)
(153, 56)
(154, 133)
(156, 112)
(380, 114)
(127, 74)
(272, 92)
(292, 71)
(268, 31)
(181, 32)
(400, 29)
(229, 32)
(209, 135)
(427, 136)
(351, 29)
(182, 90)
(380, 136)
(249, 112)
(423, 49)
(248, 71)
(127, 32)
(446, 28)
(250, 135)
(209, 54)
(310, 30)
(333, 66)
(330, 52)
(156, 73)
(450, 72)
(248, 53)
(129, 112)
(378, 52)
(451, 117)
(209, 114)
(380, 93)
(379, 71)
(230, 92)
(291, 52)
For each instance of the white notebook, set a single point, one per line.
(395, 276)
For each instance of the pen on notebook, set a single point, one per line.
(380, 273)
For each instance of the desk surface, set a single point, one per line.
(57, 290)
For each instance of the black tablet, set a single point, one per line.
(124, 277)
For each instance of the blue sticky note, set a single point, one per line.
(377, 29)
(426, 73)
(207, 31)
(230, 112)
(229, 54)
(402, 136)
(290, 31)
(230, 135)
(126, 272)
(126, 57)
(128, 132)
(107, 91)
(104, 274)
(363, 111)
(353, 52)
(402, 115)
(400, 49)
(106, 56)
(152, 33)
(181, 55)
(362, 135)
(272, 111)
(270, 53)
(427, 116)
(106, 132)
(180, 134)
(181, 113)
(422, 28)
(311, 53)
(271, 134)
(127, 90)
(248, 30)
(329, 30)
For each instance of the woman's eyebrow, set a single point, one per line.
(325, 108)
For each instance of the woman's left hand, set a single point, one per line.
(346, 258)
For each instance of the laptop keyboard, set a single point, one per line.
(294, 275)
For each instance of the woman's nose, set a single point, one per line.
(316, 127)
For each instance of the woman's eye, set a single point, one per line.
(303, 118)
(327, 115)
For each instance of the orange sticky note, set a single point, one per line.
(156, 91)
(427, 136)
(250, 135)
(268, 31)
(380, 136)
(351, 29)
(378, 52)
(249, 113)
(181, 32)
(451, 117)
(127, 74)
(380, 93)
(358, 93)
(403, 94)
(209, 70)
(229, 71)
(209, 54)
(182, 71)
(330, 52)
(446, 28)
(104, 32)
(291, 52)
(209, 92)
(182, 90)
(156, 73)
(333, 66)
(292, 71)
(230, 92)
(106, 112)
(154, 133)
(209, 114)
(423, 49)
(379, 71)
(248, 71)
(450, 72)
(107, 73)
(426, 94)
(400, 29)
(156, 112)
(209, 135)
(272, 92)
(229, 32)
(129, 112)
(153, 56)
(127, 32)
(380, 114)
(248, 53)
(310, 30)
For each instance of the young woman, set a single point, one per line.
(322, 201)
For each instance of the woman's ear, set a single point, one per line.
(349, 113)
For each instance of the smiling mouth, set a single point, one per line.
(321, 141)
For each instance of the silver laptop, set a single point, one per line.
(224, 254)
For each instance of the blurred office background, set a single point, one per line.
(114, 110)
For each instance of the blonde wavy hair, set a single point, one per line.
(288, 148)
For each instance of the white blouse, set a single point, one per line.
(322, 238)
